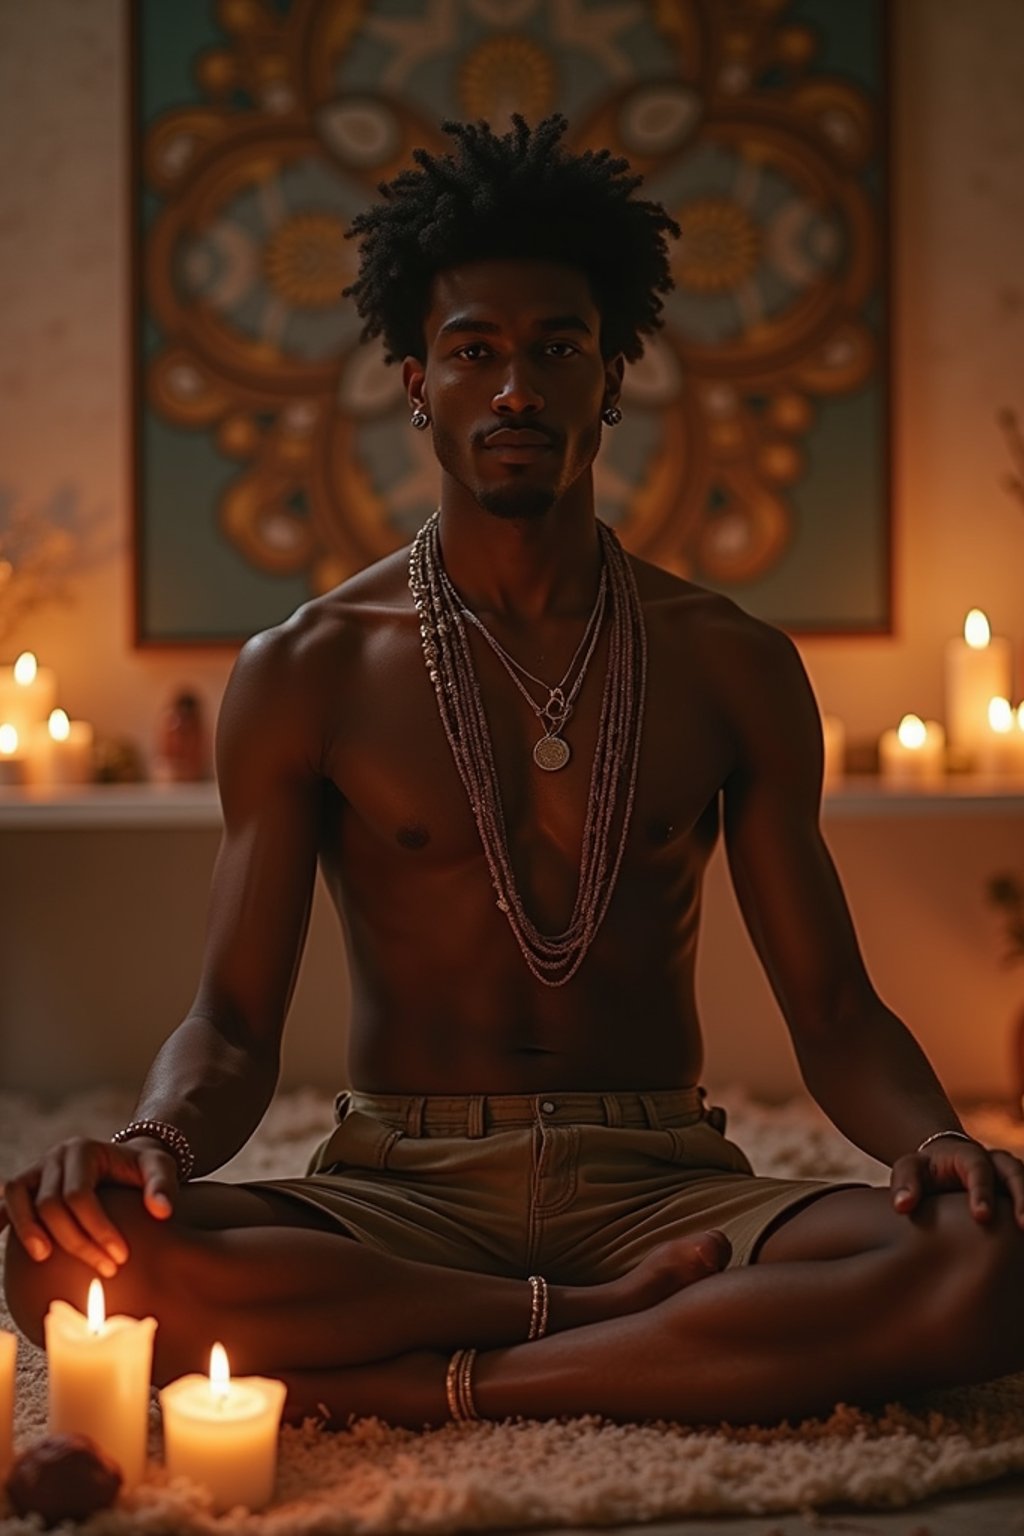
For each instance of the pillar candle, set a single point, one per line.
(1001, 749)
(61, 751)
(8, 1360)
(99, 1370)
(28, 692)
(977, 669)
(915, 753)
(12, 759)
(834, 734)
(223, 1433)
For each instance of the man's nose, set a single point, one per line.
(518, 393)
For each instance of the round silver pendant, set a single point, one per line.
(551, 753)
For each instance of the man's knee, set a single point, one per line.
(162, 1265)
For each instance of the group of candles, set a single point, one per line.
(985, 732)
(220, 1432)
(38, 743)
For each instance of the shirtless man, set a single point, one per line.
(526, 1154)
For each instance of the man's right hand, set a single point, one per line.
(54, 1202)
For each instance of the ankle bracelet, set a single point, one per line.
(459, 1387)
(538, 1308)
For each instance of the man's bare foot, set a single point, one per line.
(668, 1268)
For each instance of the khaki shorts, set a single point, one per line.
(575, 1186)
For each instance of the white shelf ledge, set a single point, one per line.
(157, 806)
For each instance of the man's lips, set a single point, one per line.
(512, 437)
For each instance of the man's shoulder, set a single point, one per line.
(692, 613)
(331, 625)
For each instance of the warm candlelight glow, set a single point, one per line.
(220, 1373)
(1000, 715)
(59, 725)
(912, 732)
(96, 1307)
(976, 630)
(8, 740)
(1020, 715)
(25, 669)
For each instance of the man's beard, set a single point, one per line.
(529, 502)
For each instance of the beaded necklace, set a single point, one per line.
(552, 958)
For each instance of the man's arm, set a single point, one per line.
(860, 1062)
(215, 1075)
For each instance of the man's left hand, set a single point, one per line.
(952, 1163)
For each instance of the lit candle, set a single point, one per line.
(12, 761)
(977, 669)
(100, 1371)
(8, 1358)
(223, 1433)
(1001, 750)
(914, 753)
(834, 734)
(28, 692)
(61, 751)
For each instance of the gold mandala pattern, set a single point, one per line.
(505, 75)
(719, 246)
(306, 260)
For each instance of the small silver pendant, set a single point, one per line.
(551, 753)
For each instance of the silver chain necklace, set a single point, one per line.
(550, 751)
(552, 958)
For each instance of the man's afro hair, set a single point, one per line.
(520, 195)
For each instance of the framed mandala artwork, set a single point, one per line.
(273, 454)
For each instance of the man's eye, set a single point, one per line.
(472, 346)
(567, 345)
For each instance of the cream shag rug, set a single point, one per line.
(371, 1479)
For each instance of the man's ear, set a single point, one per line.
(414, 376)
(614, 369)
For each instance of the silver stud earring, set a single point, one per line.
(419, 419)
(611, 415)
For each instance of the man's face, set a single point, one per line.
(514, 381)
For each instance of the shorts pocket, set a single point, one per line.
(359, 1142)
(701, 1146)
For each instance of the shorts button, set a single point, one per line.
(548, 1107)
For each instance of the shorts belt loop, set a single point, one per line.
(475, 1119)
(612, 1109)
(414, 1115)
(650, 1110)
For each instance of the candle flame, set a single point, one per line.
(913, 732)
(96, 1309)
(8, 740)
(977, 632)
(25, 669)
(1000, 715)
(59, 725)
(220, 1373)
(1020, 714)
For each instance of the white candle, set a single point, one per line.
(1001, 750)
(977, 669)
(28, 692)
(834, 733)
(915, 753)
(223, 1433)
(100, 1371)
(8, 1359)
(61, 751)
(12, 759)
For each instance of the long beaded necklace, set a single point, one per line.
(552, 958)
(550, 752)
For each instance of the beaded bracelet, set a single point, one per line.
(960, 1136)
(538, 1308)
(459, 1387)
(176, 1142)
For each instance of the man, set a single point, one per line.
(509, 748)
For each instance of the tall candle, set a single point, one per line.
(915, 753)
(100, 1371)
(223, 1433)
(28, 692)
(977, 669)
(8, 1360)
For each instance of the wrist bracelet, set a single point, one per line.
(935, 1136)
(175, 1141)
